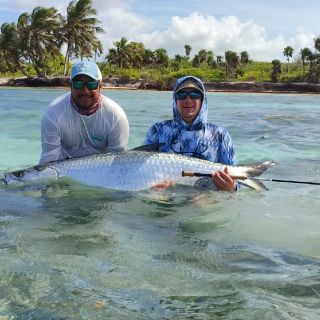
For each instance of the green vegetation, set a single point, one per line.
(33, 46)
(37, 39)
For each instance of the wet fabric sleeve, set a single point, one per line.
(152, 135)
(227, 154)
(50, 141)
(226, 150)
(119, 135)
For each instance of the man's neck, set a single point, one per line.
(87, 111)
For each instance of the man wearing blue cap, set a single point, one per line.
(83, 122)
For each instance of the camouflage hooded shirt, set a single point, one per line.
(199, 139)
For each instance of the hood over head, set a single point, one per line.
(201, 118)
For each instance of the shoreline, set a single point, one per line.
(245, 86)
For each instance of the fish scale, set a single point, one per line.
(129, 170)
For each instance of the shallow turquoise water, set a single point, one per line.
(72, 252)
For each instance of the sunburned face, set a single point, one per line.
(189, 108)
(84, 98)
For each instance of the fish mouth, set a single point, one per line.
(9, 178)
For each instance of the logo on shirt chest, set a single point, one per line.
(97, 138)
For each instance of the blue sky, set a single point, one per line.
(263, 28)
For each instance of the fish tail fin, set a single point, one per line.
(256, 169)
(253, 184)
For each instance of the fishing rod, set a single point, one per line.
(243, 177)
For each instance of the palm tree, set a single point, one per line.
(287, 52)
(111, 58)
(244, 57)
(188, 49)
(23, 26)
(306, 55)
(196, 61)
(211, 60)
(232, 62)
(161, 57)
(317, 44)
(203, 56)
(276, 70)
(10, 47)
(39, 34)
(314, 71)
(175, 63)
(136, 53)
(148, 58)
(122, 54)
(219, 60)
(3, 66)
(79, 31)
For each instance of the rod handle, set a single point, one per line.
(195, 174)
(199, 174)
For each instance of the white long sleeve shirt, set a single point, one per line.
(65, 133)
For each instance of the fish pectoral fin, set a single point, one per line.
(149, 147)
(253, 184)
(163, 184)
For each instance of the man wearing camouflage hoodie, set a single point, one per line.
(190, 134)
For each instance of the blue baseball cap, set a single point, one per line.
(87, 68)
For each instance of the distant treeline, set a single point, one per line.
(33, 46)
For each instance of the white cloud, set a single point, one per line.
(124, 18)
(220, 35)
(117, 22)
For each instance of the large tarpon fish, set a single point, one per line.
(133, 170)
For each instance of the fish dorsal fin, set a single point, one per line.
(149, 147)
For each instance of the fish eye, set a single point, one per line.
(18, 173)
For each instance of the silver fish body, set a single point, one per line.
(128, 170)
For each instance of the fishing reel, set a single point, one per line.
(205, 183)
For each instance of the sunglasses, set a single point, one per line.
(194, 95)
(91, 85)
